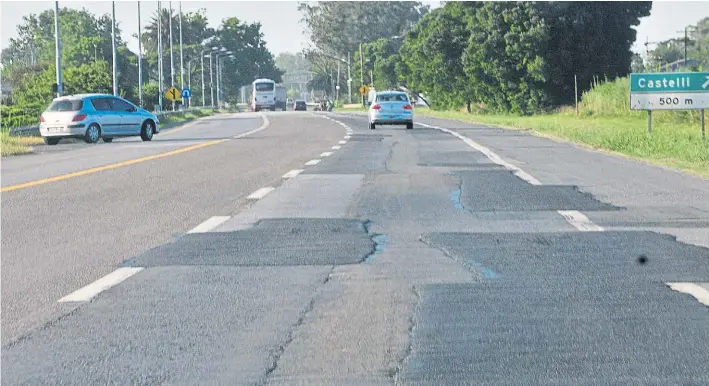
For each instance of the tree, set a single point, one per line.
(338, 27)
(252, 59)
(504, 60)
(637, 64)
(92, 77)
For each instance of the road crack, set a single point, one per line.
(398, 367)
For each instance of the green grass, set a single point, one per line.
(17, 145)
(673, 143)
(173, 119)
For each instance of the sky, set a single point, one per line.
(281, 25)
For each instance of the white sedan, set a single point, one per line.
(391, 108)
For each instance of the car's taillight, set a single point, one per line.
(78, 118)
(376, 107)
(408, 107)
(41, 118)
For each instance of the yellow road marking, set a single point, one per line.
(109, 167)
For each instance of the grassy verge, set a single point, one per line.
(17, 145)
(673, 143)
(174, 119)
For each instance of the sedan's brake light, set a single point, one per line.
(41, 118)
(408, 107)
(376, 107)
(78, 118)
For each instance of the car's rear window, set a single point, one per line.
(392, 98)
(66, 105)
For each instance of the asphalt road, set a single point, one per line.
(314, 251)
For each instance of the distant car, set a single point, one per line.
(391, 108)
(94, 116)
(300, 106)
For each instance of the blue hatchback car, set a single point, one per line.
(94, 116)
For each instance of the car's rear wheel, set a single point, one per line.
(147, 131)
(107, 140)
(93, 133)
(372, 126)
(409, 126)
(51, 140)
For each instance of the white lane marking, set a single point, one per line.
(292, 173)
(342, 142)
(210, 224)
(261, 193)
(347, 137)
(265, 124)
(489, 154)
(312, 162)
(580, 221)
(699, 293)
(86, 293)
(336, 147)
(326, 154)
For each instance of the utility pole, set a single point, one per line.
(201, 59)
(182, 69)
(211, 81)
(685, 46)
(113, 44)
(361, 68)
(58, 52)
(337, 84)
(172, 57)
(140, 61)
(160, 74)
(349, 79)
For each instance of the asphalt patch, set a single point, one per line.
(494, 190)
(271, 242)
(575, 308)
(365, 137)
(455, 159)
(356, 157)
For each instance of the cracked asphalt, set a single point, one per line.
(403, 257)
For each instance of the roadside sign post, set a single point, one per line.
(702, 117)
(669, 91)
(173, 94)
(187, 94)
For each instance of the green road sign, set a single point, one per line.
(669, 82)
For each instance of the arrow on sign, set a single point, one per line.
(706, 83)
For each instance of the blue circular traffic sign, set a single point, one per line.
(186, 93)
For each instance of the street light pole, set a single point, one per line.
(361, 68)
(182, 69)
(211, 81)
(58, 48)
(349, 79)
(140, 62)
(201, 58)
(113, 45)
(160, 74)
(172, 58)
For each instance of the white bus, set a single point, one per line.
(263, 95)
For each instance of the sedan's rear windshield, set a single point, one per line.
(392, 98)
(66, 105)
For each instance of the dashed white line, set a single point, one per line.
(210, 224)
(489, 154)
(312, 162)
(580, 221)
(347, 137)
(86, 293)
(342, 142)
(261, 193)
(292, 173)
(336, 147)
(699, 293)
(326, 154)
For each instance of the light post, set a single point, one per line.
(140, 62)
(216, 57)
(182, 69)
(58, 52)
(160, 74)
(204, 100)
(113, 45)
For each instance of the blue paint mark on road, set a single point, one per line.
(380, 242)
(455, 198)
(486, 272)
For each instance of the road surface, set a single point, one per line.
(304, 249)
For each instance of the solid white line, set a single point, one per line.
(326, 154)
(489, 154)
(336, 147)
(86, 293)
(265, 124)
(580, 221)
(292, 173)
(312, 162)
(699, 293)
(342, 142)
(210, 224)
(261, 193)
